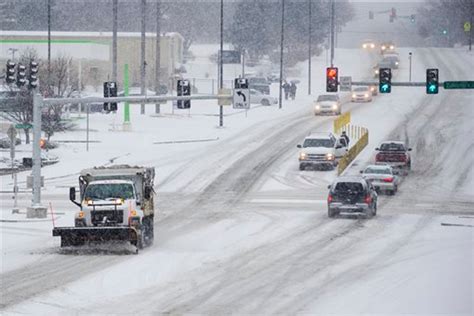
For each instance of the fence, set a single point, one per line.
(341, 122)
(357, 132)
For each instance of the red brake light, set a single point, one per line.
(368, 199)
(329, 198)
(377, 157)
(388, 179)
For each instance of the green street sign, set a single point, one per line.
(458, 84)
(23, 126)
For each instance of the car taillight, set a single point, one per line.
(329, 198)
(368, 199)
(402, 158)
(377, 157)
(388, 179)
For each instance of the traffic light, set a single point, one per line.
(183, 88)
(10, 73)
(385, 80)
(371, 15)
(110, 90)
(33, 75)
(20, 75)
(331, 79)
(432, 81)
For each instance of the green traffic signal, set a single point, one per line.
(432, 81)
(384, 88)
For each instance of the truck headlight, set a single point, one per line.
(376, 71)
(317, 107)
(303, 156)
(354, 95)
(134, 221)
(80, 215)
(330, 156)
(334, 106)
(366, 95)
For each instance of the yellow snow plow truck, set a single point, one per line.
(116, 204)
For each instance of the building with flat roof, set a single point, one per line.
(92, 53)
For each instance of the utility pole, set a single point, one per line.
(332, 33)
(409, 75)
(281, 52)
(157, 55)
(221, 79)
(114, 40)
(49, 41)
(309, 46)
(470, 21)
(142, 58)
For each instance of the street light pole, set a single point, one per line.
(409, 73)
(142, 57)
(221, 79)
(281, 52)
(114, 40)
(49, 40)
(332, 33)
(309, 46)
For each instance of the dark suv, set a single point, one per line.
(352, 194)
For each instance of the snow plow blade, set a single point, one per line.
(77, 236)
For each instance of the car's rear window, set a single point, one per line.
(392, 147)
(377, 171)
(355, 187)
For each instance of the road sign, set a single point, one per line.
(467, 27)
(346, 83)
(241, 99)
(23, 126)
(11, 132)
(458, 84)
(231, 57)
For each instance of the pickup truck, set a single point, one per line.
(395, 154)
(321, 150)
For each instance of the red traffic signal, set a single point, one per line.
(331, 79)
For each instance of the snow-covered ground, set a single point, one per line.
(241, 230)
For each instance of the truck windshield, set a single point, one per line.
(314, 142)
(107, 191)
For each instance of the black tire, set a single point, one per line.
(265, 102)
(302, 167)
(331, 213)
(66, 242)
(149, 230)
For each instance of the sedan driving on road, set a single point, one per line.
(361, 94)
(382, 178)
(327, 103)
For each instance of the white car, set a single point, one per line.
(327, 103)
(256, 97)
(361, 94)
(368, 44)
(382, 178)
(320, 149)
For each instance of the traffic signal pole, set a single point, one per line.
(332, 33)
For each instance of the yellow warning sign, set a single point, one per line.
(467, 27)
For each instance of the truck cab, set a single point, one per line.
(321, 150)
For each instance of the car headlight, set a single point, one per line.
(303, 156)
(392, 47)
(330, 156)
(377, 71)
(372, 46)
(372, 89)
(364, 45)
(396, 63)
(383, 47)
(354, 95)
(366, 95)
(334, 106)
(317, 107)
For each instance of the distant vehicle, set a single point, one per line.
(391, 60)
(374, 89)
(134, 91)
(368, 44)
(260, 84)
(387, 47)
(327, 103)
(273, 77)
(361, 94)
(116, 204)
(256, 97)
(395, 154)
(382, 178)
(320, 150)
(381, 64)
(352, 194)
(5, 141)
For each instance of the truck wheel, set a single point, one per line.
(149, 230)
(331, 213)
(66, 242)
(265, 102)
(302, 167)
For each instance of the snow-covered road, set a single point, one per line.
(241, 230)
